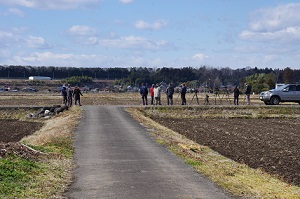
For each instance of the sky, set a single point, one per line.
(150, 33)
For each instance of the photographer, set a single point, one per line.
(183, 92)
(170, 92)
(236, 93)
(247, 93)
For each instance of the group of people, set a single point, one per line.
(236, 93)
(68, 93)
(155, 93)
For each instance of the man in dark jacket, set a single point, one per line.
(64, 95)
(144, 94)
(170, 92)
(236, 93)
(247, 93)
(183, 92)
(76, 94)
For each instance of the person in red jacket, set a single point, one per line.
(152, 93)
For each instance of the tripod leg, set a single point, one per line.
(192, 99)
(220, 99)
(244, 100)
(206, 102)
(228, 99)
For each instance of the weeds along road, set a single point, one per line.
(117, 158)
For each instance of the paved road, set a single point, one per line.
(117, 158)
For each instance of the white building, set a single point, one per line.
(39, 78)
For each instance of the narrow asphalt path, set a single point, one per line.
(117, 158)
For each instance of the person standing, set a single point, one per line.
(247, 93)
(170, 92)
(76, 94)
(236, 93)
(144, 94)
(183, 92)
(157, 93)
(64, 95)
(152, 94)
(70, 95)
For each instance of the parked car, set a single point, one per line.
(284, 93)
(95, 90)
(29, 89)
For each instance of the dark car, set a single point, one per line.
(29, 89)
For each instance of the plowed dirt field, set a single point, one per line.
(269, 144)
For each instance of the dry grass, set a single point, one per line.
(60, 126)
(56, 135)
(224, 111)
(238, 179)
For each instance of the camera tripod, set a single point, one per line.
(227, 96)
(197, 99)
(217, 95)
(206, 101)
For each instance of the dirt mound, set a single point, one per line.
(11, 132)
(18, 149)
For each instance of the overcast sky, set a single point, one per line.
(150, 33)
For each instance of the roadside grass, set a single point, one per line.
(16, 173)
(236, 178)
(50, 175)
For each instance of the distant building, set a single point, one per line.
(39, 78)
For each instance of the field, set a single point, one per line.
(35, 154)
(265, 138)
(262, 137)
(45, 99)
(14, 130)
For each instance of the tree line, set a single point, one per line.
(261, 79)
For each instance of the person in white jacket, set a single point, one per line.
(157, 94)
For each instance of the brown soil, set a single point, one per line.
(15, 130)
(269, 144)
(11, 132)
